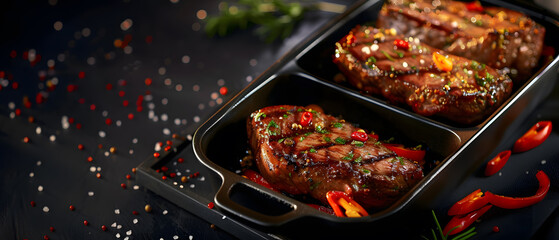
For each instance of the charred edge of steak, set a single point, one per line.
(499, 37)
(466, 94)
(322, 157)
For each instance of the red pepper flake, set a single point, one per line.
(15, 85)
(71, 87)
(474, 6)
(33, 203)
(130, 116)
(121, 93)
(81, 75)
(169, 142)
(85, 222)
(211, 205)
(92, 107)
(128, 176)
(180, 160)
(123, 186)
(100, 146)
(135, 212)
(148, 81)
(80, 146)
(350, 39)
(90, 159)
(196, 174)
(359, 136)
(18, 111)
(496, 229)
(81, 100)
(71, 120)
(401, 44)
(125, 103)
(172, 175)
(72, 208)
(156, 154)
(306, 119)
(139, 108)
(108, 121)
(164, 177)
(149, 39)
(109, 86)
(46, 237)
(167, 148)
(13, 54)
(98, 175)
(223, 91)
(26, 139)
(164, 168)
(78, 125)
(104, 228)
(51, 229)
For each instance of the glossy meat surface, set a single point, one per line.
(322, 156)
(467, 93)
(499, 37)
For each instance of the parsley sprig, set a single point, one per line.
(274, 18)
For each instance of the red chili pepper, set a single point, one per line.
(350, 39)
(338, 199)
(306, 119)
(459, 223)
(533, 137)
(359, 136)
(401, 44)
(374, 136)
(412, 154)
(474, 6)
(470, 203)
(441, 62)
(520, 202)
(495, 164)
(257, 178)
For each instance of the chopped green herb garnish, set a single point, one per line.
(357, 143)
(272, 124)
(327, 139)
(340, 140)
(319, 129)
(365, 170)
(312, 150)
(349, 156)
(387, 56)
(337, 125)
(400, 54)
(258, 115)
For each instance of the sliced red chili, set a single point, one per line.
(535, 136)
(474, 6)
(520, 202)
(459, 223)
(359, 136)
(442, 63)
(306, 119)
(350, 39)
(257, 178)
(495, 164)
(412, 154)
(401, 44)
(338, 200)
(470, 203)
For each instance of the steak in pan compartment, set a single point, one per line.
(428, 80)
(499, 37)
(302, 150)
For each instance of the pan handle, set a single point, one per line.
(279, 210)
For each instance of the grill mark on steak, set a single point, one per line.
(466, 94)
(322, 157)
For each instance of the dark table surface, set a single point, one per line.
(89, 90)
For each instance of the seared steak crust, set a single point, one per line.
(321, 157)
(498, 37)
(372, 62)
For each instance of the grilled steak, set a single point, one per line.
(322, 156)
(430, 81)
(498, 37)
